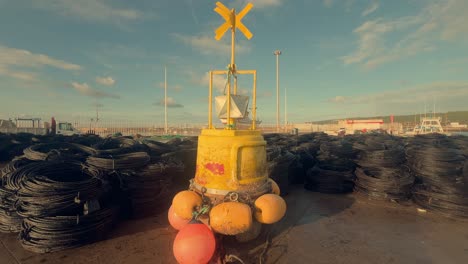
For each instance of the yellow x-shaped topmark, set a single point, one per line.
(233, 21)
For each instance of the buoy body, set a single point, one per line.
(231, 218)
(194, 244)
(231, 160)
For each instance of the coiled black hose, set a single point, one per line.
(278, 169)
(50, 188)
(442, 180)
(15, 164)
(334, 169)
(117, 146)
(384, 183)
(119, 161)
(382, 174)
(10, 221)
(148, 189)
(340, 148)
(66, 151)
(157, 148)
(329, 181)
(55, 233)
(382, 158)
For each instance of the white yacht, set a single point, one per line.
(429, 126)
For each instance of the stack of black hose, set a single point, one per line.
(58, 151)
(279, 160)
(334, 170)
(121, 153)
(382, 173)
(441, 170)
(156, 148)
(64, 204)
(305, 160)
(12, 145)
(118, 145)
(10, 221)
(184, 151)
(148, 188)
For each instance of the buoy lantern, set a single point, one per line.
(194, 244)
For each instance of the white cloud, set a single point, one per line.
(439, 21)
(89, 10)
(107, 81)
(11, 59)
(219, 82)
(25, 76)
(85, 89)
(337, 99)
(170, 103)
(260, 3)
(264, 94)
(175, 87)
(328, 3)
(209, 46)
(371, 9)
(447, 95)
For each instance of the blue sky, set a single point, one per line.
(340, 58)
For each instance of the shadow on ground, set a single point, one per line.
(304, 207)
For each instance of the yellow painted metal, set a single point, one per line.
(239, 23)
(233, 20)
(229, 121)
(254, 102)
(231, 160)
(210, 105)
(221, 30)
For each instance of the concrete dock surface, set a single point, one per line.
(318, 228)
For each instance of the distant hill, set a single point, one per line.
(456, 116)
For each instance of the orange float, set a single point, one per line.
(269, 208)
(185, 203)
(194, 244)
(176, 221)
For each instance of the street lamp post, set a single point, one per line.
(165, 101)
(277, 53)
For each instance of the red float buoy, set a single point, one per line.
(176, 221)
(194, 244)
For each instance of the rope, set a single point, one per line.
(232, 258)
